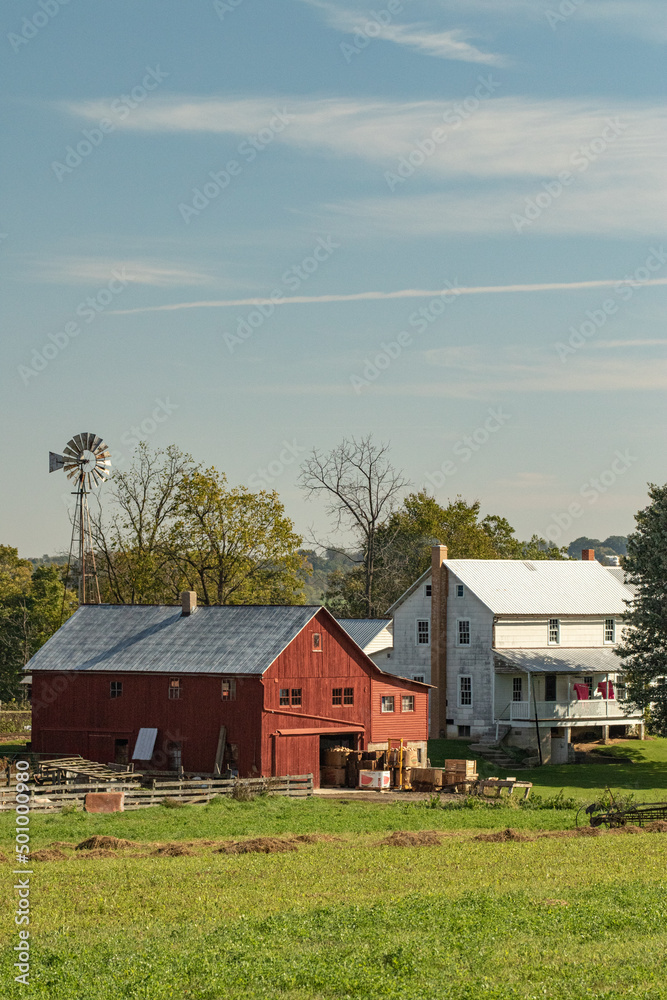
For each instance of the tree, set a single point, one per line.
(33, 605)
(233, 546)
(362, 490)
(131, 527)
(644, 646)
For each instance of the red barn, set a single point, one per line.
(270, 685)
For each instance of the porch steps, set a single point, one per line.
(495, 755)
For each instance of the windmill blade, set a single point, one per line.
(71, 452)
(87, 437)
(78, 442)
(55, 461)
(95, 443)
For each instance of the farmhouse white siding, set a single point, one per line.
(410, 658)
(533, 633)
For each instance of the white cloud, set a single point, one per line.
(99, 270)
(451, 44)
(604, 344)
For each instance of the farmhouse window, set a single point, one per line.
(554, 631)
(296, 696)
(407, 703)
(428, 590)
(317, 642)
(418, 677)
(423, 637)
(463, 730)
(459, 590)
(465, 691)
(550, 687)
(229, 690)
(284, 696)
(609, 630)
(387, 704)
(464, 632)
(348, 696)
(589, 682)
(517, 692)
(116, 689)
(174, 688)
(336, 696)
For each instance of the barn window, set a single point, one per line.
(387, 704)
(464, 632)
(174, 688)
(465, 691)
(229, 690)
(336, 696)
(284, 696)
(408, 703)
(348, 696)
(423, 632)
(116, 689)
(317, 642)
(296, 696)
(609, 630)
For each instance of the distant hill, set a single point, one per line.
(615, 545)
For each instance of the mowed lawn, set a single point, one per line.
(348, 917)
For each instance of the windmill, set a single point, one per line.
(87, 462)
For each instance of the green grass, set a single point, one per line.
(568, 919)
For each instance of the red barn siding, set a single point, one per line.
(398, 724)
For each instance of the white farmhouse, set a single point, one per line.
(518, 650)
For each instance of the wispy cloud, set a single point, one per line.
(98, 270)
(422, 37)
(404, 293)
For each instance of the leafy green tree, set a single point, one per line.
(644, 647)
(33, 604)
(233, 546)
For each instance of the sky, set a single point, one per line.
(252, 228)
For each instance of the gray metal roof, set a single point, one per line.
(619, 574)
(364, 630)
(542, 586)
(149, 638)
(594, 660)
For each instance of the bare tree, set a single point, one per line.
(362, 490)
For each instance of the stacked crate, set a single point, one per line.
(461, 774)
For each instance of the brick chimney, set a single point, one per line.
(588, 555)
(439, 594)
(188, 601)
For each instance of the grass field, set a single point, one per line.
(555, 916)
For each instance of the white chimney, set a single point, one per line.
(189, 601)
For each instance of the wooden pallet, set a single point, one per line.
(89, 768)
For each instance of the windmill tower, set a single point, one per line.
(87, 462)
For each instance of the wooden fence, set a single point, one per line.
(52, 798)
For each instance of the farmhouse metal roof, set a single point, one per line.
(594, 660)
(364, 630)
(160, 639)
(542, 586)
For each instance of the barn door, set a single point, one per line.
(297, 755)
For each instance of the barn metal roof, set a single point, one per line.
(594, 660)
(364, 630)
(160, 639)
(542, 586)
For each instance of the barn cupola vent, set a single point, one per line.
(188, 601)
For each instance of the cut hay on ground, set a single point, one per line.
(104, 843)
(657, 826)
(257, 845)
(97, 852)
(63, 843)
(503, 837)
(48, 854)
(172, 851)
(412, 838)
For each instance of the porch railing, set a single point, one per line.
(594, 708)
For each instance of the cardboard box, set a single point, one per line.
(377, 780)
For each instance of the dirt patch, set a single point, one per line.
(3, 857)
(104, 843)
(200, 843)
(630, 828)
(48, 854)
(412, 838)
(172, 851)
(504, 837)
(316, 838)
(657, 826)
(580, 831)
(258, 845)
(62, 843)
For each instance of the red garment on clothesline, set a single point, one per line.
(582, 691)
(602, 687)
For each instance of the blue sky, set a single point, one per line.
(251, 227)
